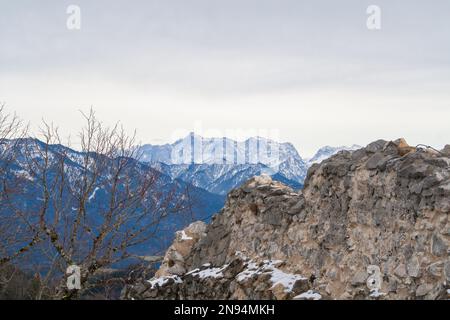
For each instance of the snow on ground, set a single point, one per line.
(277, 276)
(252, 269)
(287, 280)
(208, 273)
(163, 280)
(308, 295)
(183, 236)
(376, 293)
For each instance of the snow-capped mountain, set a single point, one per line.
(327, 151)
(199, 150)
(221, 164)
(220, 178)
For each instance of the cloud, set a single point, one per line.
(299, 66)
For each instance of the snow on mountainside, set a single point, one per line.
(196, 149)
(327, 151)
(221, 164)
(158, 153)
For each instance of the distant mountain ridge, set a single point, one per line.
(328, 151)
(221, 164)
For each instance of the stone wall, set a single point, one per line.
(369, 224)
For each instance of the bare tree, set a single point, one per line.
(15, 237)
(60, 207)
(96, 204)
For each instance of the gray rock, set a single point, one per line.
(431, 181)
(374, 161)
(443, 204)
(376, 146)
(416, 187)
(300, 286)
(338, 168)
(414, 171)
(400, 271)
(359, 278)
(273, 218)
(423, 289)
(413, 267)
(435, 269)
(358, 155)
(446, 150)
(438, 246)
(447, 271)
(298, 207)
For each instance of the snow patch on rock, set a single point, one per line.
(163, 280)
(183, 236)
(277, 276)
(308, 295)
(208, 273)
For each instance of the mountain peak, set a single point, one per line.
(220, 164)
(195, 148)
(328, 151)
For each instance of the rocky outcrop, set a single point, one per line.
(174, 262)
(369, 224)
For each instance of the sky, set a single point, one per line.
(307, 72)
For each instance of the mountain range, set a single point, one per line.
(327, 151)
(221, 164)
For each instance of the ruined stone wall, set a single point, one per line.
(372, 223)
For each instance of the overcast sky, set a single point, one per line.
(311, 70)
